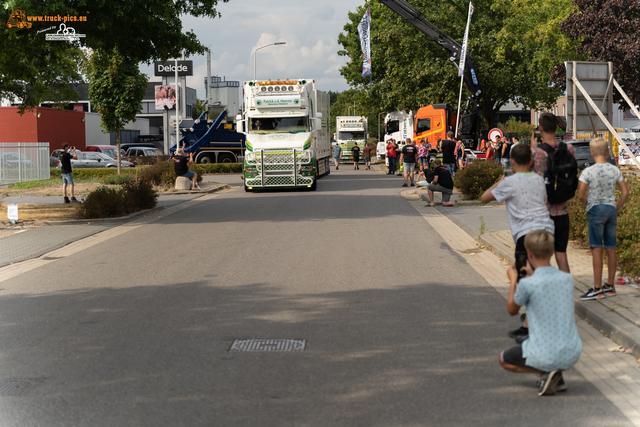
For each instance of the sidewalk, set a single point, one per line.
(618, 317)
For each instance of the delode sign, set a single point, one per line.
(278, 101)
(168, 69)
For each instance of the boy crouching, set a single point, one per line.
(554, 344)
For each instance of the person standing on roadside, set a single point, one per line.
(448, 149)
(548, 126)
(391, 156)
(506, 153)
(497, 150)
(600, 181)
(66, 170)
(337, 152)
(355, 153)
(367, 156)
(408, 159)
(423, 153)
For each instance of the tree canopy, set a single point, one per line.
(607, 30)
(36, 70)
(514, 44)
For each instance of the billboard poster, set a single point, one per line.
(165, 97)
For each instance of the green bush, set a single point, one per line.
(106, 202)
(474, 179)
(116, 179)
(628, 232)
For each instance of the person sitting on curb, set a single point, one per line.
(442, 183)
(182, 169)
(554, 344)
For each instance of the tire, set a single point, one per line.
(314, 186)
(226, 158)
(246, 189)
(205, 160)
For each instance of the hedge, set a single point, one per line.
(88, 173)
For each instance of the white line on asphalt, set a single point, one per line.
(616, 375)
(13, 270)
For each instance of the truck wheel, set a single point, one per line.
(205, 160)
(226, 158)
(246, 189)
(314, 186)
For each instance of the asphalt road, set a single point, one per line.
(400, 331)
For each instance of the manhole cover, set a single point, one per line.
(268, 345)
(18, 387)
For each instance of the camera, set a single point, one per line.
(521, 263)
(508, 172)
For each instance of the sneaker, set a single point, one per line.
(66, 200)
(197, 186)
(337, 168)
(74, 200)
(593, 294)
(412, 184)
(549, 382)
(522, 338)
(609, 290)
(518, 332)
(562, 386)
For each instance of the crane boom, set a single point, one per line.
(469, 123)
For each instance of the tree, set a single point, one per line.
(607, 30)
(140, 30)
(200, 108)
(505, 39)
(116, 86)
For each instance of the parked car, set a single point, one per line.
(12, 160)
(125, 147)
(143, 152)
(96, 160)
(54, 159)
(583, 153)
(109, 150)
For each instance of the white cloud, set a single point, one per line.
(309, 28)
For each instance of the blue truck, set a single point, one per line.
(212, 141)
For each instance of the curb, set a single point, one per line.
(610, 323)
(130, 216)
(425, 196)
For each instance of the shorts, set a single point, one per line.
(367, 159)
(446, 192)
(513, 356)
(409, 167)
(603, 221)
(67, 178)
(335, 159)
(561, 234)
(189, 174)
(450, 166)
(423, 160)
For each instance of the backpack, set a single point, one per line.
(561, 177)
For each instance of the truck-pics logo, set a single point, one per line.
(18, 19)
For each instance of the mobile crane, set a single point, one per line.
(434, 120)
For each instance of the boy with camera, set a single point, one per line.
(65, 171)
(554, 344)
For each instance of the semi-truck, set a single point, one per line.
(349, 131)
(212, 141)
(398, 125)
(286, 124)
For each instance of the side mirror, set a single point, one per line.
(317, 124)
(319, 115)
(240, 125)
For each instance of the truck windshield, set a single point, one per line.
(350, 135)
(423, 125)
(393, 126)
(265, 125)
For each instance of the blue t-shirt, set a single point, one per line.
(553, 341)
(336, 151)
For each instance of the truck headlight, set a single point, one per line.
(251, 170)
(306, 168)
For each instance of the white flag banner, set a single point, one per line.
(463, 53)
(365, 42)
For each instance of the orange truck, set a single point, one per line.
(433, 122)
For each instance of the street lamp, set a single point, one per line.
(255, 53)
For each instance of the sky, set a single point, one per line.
(310, 29)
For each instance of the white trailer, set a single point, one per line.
(286, 123)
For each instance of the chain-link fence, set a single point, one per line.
(24, 161)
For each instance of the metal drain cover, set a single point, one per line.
(18, 387)
(268, 345)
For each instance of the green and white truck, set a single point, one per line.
(286, 123)
(349, 131)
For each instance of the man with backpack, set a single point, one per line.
(555, 162)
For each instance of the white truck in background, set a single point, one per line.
(286, 123)
(398, 125)
(351, 130)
